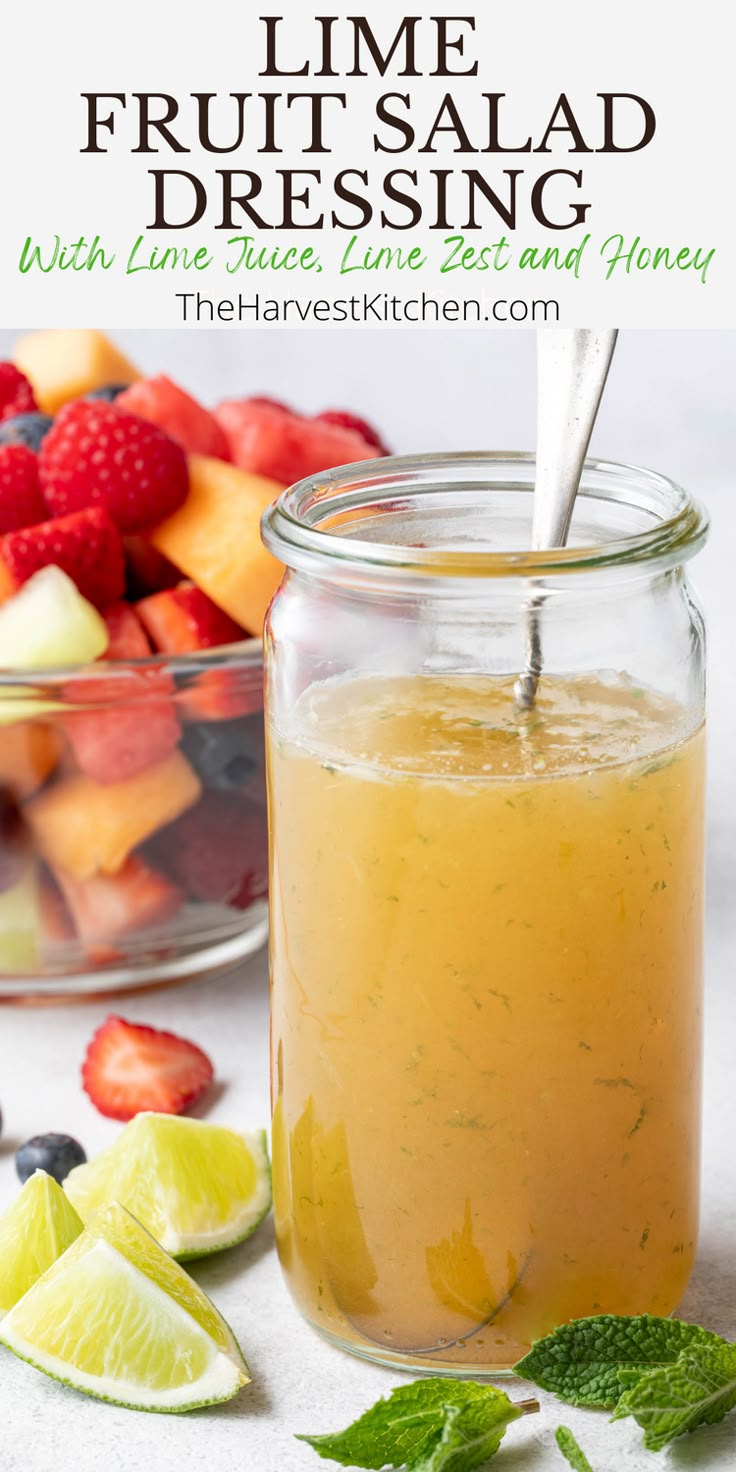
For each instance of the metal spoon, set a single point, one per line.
(572, 367)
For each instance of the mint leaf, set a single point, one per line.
(580, 1361)
(572, 1453)
(428, 1426)
(697, 1390)
(627, 1379)
(470, 1436)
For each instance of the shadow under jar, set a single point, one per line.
(485, 924)
(133, 835)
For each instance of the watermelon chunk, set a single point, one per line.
(271, 441)
(164, 403)
(126, 636)
(129, 722)
(111, 906)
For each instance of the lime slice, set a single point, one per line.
(116, 1318)
(34, 1231)
(197, 1187)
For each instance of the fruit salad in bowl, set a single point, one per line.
(133, 587)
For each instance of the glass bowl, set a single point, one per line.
(133, 836)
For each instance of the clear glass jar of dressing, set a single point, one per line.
(485, 924)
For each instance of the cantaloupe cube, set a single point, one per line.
(29, 752)
(66, 363)
(215, 539)
(84, 828)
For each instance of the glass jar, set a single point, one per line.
(132, 823)
(486, 922)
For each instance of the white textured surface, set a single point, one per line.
(672, 407)
(300, 1383)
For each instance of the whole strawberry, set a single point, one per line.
(16, 394)
(98, 455)
(21, 502)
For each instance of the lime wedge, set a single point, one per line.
(34, 1231)
(197, 1187)
(116, 1318)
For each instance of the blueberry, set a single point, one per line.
(222, 753)
(56, 1154)
(108, 393)
(25, 429)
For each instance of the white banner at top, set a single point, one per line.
(279, 164)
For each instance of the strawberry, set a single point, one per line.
(86, 546)
(162, 402)
(21, 502)
(98, 455)
(110, 906)
(184, 619)
(345, 420)
(16, 394)
(129, 1068)
(217, 851)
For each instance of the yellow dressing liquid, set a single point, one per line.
(486, 966)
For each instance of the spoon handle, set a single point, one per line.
(572, 367)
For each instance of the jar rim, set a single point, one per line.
(291, 525)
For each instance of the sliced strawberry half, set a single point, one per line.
(129, 1069)
(183, 619)
(86, 545)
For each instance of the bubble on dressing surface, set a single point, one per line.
(468, 726)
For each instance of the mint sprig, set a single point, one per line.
(697, 1390)
(572, 1453)
(671, 1377)
(581, 1361)
(428, 1426)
